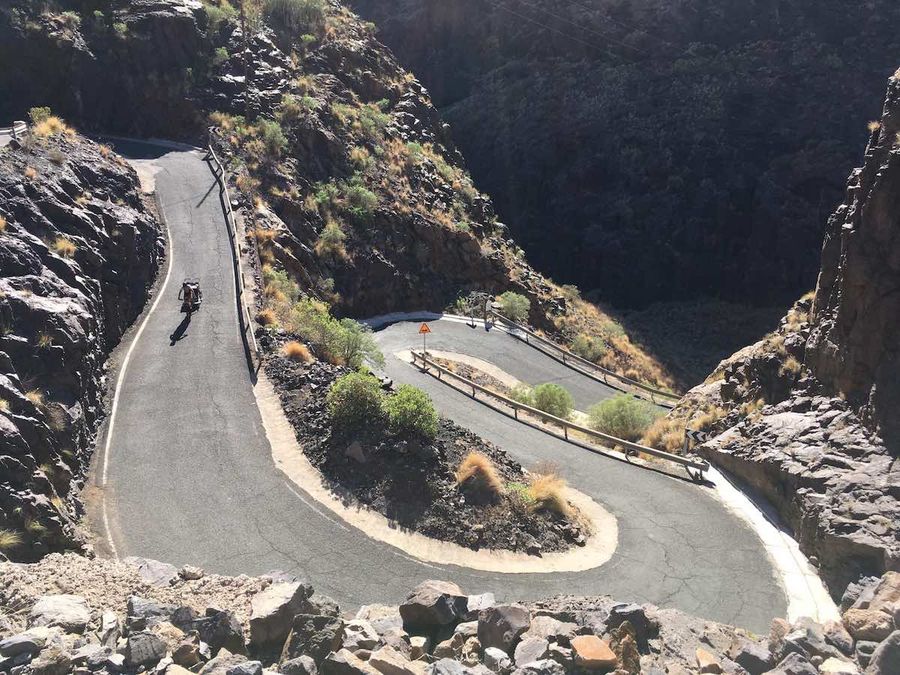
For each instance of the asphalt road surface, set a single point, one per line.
(191, 479)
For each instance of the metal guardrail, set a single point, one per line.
(19, 129)
(690, 465)
(246, 316)
(567, 358)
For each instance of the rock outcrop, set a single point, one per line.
(125, 623)
(808, 415)
(78, 254)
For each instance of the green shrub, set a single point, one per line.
(277, 284)
(523, 394)
(611, 329)
(354, 344)
(220, 56)
(623, 416)
(361, 201)
(570, 292)
(219, 14)
(514, 306)
(588, 347)
(355, 401)
(344, 341)
(272, 137)
(410, 411)
(292, 19)
(553, 399)
(39, 114)
(373, 120)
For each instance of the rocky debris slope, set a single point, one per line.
(411, 481)
(67, 614)
(666, 150)
(808, 415)
(78, 254)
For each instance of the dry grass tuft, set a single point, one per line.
(30, 173)
(51, 126)
(9, 539)
(546, 491)
(477, 472)
(265, 235)
(297, 351)
(64, 247)
(266, 317)
(666, 433)
(36, 397)
(2, 224)
(791, 366)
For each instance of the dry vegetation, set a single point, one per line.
(297, 351)
(476, 472)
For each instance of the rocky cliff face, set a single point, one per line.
(854, 346)
(78, 254)
(808, 415)
(654, 150)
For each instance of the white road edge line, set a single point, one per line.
(121, 379)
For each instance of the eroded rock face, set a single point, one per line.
(78, 253)
(809, 414)
(855, 342)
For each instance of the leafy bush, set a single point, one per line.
(623, 416)
(410, 411)
(292, 19)
(514, 306)
(38, 114)
(588, 347)
(354, 344)
(523, 394)
(279, 286)
(346, 341)
(553, 399)
(355, 401)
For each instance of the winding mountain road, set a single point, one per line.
(188, 476)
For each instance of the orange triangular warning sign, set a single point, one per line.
(424, 328)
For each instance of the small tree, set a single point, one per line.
(272, 137)
(553, 399)
(514, 306)
(410, 411)
(355, 402)
(623, 416)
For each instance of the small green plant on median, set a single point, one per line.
(355, 401)
(514, 306)
(410, 411)
(553, 399)
(623, 416)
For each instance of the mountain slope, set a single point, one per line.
(653, 150)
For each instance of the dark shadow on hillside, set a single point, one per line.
(690, 338)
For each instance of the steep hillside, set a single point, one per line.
(78, 253)
(807, 416)
(342, 162)
(654, 150)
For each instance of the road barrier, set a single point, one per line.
(694, 467)
(246, 317)
(19, 129)
(589, 368)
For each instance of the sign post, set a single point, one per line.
(424, 330)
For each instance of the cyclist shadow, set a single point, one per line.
(181, 331)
